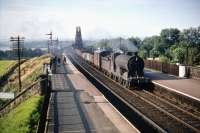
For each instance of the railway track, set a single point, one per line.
(161, 114)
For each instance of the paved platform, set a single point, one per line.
(77, 106)
(187, 87)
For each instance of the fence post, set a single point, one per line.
(161, 67)
(43, 84)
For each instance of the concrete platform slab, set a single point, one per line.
(187, 87)
(80, 83)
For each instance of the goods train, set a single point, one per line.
(127, 69)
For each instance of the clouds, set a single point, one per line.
(97, 18)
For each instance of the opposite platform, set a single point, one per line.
(187, 87)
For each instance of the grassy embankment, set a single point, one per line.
(30, 71)
(24, 118)
(5, 65)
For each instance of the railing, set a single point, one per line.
(26, 93)
(163, 67)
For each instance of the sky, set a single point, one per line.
(97, 18)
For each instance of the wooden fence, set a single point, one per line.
(163, 67)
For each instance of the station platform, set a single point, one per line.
(184, 86)
(77, 106)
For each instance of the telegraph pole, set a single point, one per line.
(50, 38)
(120, 44)
(19, 40)
(57, 42)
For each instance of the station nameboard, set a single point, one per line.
(7, 95)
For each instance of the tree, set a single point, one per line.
(191, 37)
(147, 45)
(179, 54)
(170, 36)
(154, 53)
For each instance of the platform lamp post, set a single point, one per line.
(17, 46)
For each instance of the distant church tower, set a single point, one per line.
(78, 38)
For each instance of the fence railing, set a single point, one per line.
(163, 67)
(33, 89)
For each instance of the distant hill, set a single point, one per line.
(42, 44)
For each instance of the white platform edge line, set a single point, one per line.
(195, 98)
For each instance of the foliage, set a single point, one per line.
(143, 54)
(27, 53)
(154, 53)
(170, 36)
(24, 118)
(164, 59)
(179, 54)
(147, 45)
(177, 46)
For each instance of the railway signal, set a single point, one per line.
(55, 44)
(17, 45)
(49, 43)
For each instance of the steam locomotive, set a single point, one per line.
(127, 69)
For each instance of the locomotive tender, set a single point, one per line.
(127, 69)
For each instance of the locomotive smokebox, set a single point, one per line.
(133, 64)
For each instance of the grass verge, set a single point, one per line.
(24, 118)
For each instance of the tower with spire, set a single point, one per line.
(78, 38)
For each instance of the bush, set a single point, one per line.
(164, 59)
(179, 54)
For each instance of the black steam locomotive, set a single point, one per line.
(127, 69)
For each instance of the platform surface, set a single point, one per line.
(188, 87)
(76, 106)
